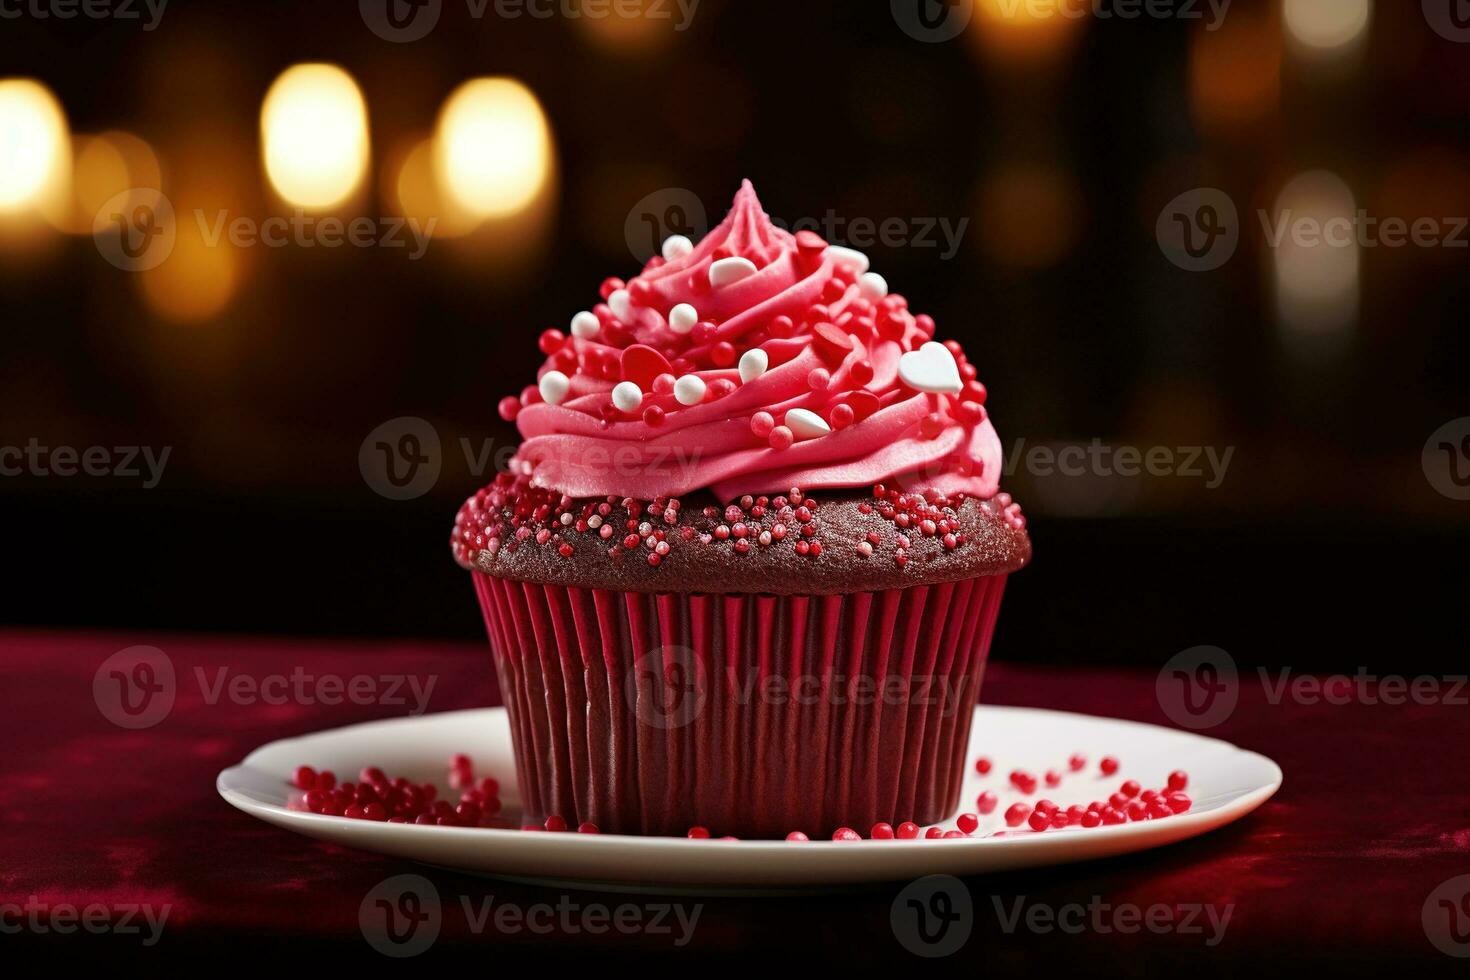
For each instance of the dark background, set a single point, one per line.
(1326, 546)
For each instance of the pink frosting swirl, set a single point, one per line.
(833, 405)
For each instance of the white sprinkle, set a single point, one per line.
(682, 318)
(627, 396)
(595, 521)
(806, 424)
(554, 387)
(753, 364)
(872, 287)
(622, 305)
(689, 390)
(765, 538)
(676, 247)
(848, 257)
(726, 272)
(866, 548)
(585, 325)
(931, 368)
(566, 520)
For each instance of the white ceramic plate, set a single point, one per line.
(1225, 783)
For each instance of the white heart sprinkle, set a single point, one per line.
(872, 287)
(627, 396)
(585, 325)
(726, 272)
(848, 257)
(622, 305)
(676, 247)
(689, 390)
(931, 368)
(682, 318)
(805, 424)
(753, 364)
(554, 387)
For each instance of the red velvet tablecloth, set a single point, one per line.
(1337, 869)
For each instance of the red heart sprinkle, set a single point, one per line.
(831, 342)
(863, 403)
(641, 364)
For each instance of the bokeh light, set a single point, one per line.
(492, 147)
(630, 27)
(35, 149)
(104, 166)
(1327, 25)
(1317, 258)
(314, 135)
(1030, 215)
(1235, 70)
(410, 183)
(1032, 33)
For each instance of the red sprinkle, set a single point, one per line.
(1108, 765)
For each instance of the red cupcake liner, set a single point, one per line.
(751, 715)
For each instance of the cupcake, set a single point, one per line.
(744, 569)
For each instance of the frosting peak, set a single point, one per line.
(750, 362)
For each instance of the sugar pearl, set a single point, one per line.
(682, 318)
(753, 364)
(627, 396)
(676, 247)
(726, 272)
(689, 390)
(553, 387)
(872, 287)
(806, 424)
(621, 303)
(848, 257)
(761, 424)
(585, 325)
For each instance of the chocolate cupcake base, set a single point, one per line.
(750, 715)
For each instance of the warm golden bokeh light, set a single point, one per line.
(1316, 256)
(1020, 31)
(492, 147)
(314, 135)
(197, 280)
(630, 27)
(1327, 26)
(103, 167)
(1235, 71)
(412, 186)
(35, 152)
(1030, 216)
